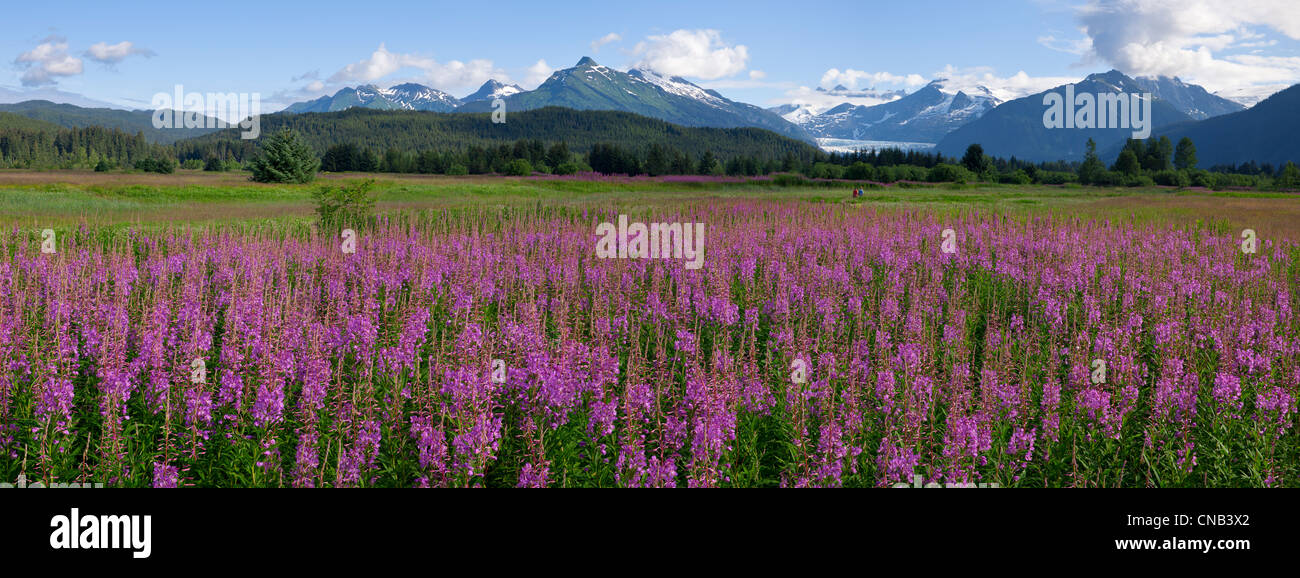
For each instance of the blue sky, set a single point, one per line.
(760, 52)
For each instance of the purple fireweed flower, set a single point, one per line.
(165, 476)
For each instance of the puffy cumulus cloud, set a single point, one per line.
(455, 75)
(851, 78)
(691, 53)
(106, 53)
(537, 74)
(448, 76)
(381, 63)
(1192, 39)
(603, 40)
(47, 62)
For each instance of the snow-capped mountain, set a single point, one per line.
(586, 86)
(1015, 128)
(924, 116)
(492, 90)
(412, 96)
(799, 114)
(1249, 96)
(593, 86)
(842, 91)
(408, 96)
(802, 112)
(1190, 99)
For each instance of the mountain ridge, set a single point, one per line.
(405, 96)
(128, 121)
(1016, 128)
(586, 86)
(1264, 133)
(924, 116)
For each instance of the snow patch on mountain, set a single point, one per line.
(676, 86)
(923, 116)
(1249, 96)
(492, 90)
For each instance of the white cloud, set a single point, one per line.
(381, 63)
(885, 87)
(1078, 47)
(448, 76)
(818, 101)
(115, 53)
(851, 78)
(757, 75)
(455, 75)
(48, 61)
(692, 53)
(1004, 88)
(603, 40)
(537, 74)
(1188, 38)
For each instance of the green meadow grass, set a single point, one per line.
(60, 205)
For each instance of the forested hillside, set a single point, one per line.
(415, 131)
(28, 143)
(128, 121)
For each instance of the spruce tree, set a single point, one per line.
(1185, 155)
(1092, 169)
(285, 158)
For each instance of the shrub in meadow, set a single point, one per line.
(349, 204)
(519, 168)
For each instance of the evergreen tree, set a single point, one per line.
(1185, 155)
(368, 161)
(682, 164)
(974, 159)
(285, 158)
(1091, 170)
(1128, 163)
(656, 162)
(707, 163)
(790, 164)
(340, 158)
(1290, 177)
(1137, 147)
(1157, 155)
(558, 155)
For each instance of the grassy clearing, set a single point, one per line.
(193, 198)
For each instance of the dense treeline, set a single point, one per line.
(413, 133)
(88, 147)
(605, 142)
(1156, 161)
(72, 116)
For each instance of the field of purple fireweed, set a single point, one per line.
(819, 345)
